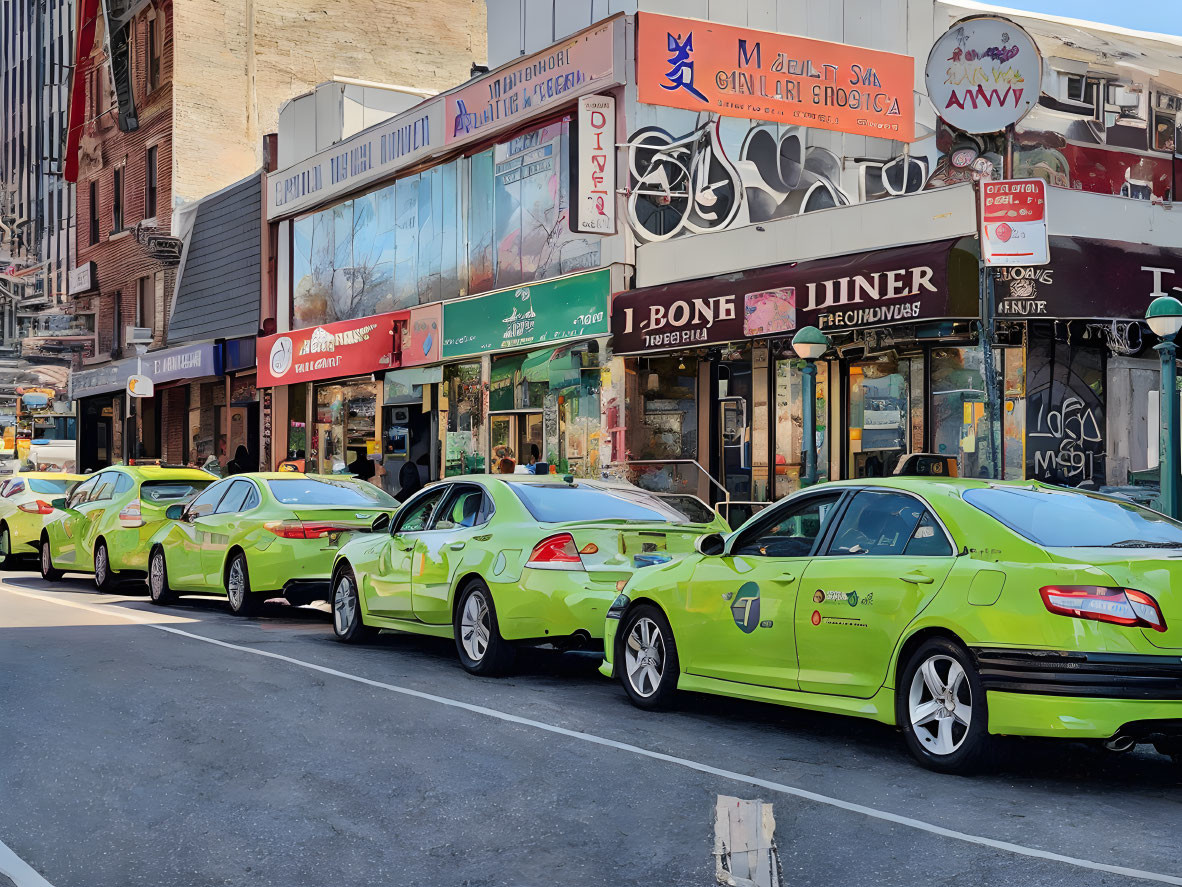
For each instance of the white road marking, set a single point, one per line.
(18, 871)
(780, 788)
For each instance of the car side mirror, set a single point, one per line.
(58, 503)
(174, 512)
(380, 522)
(710, 545)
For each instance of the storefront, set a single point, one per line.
(117, 435)
(714, 388)
(523, 373)
(327, 393)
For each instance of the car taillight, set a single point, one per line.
(295, 529)
(130, 516)
(1119, 606)
(556, 553)
(38, 507)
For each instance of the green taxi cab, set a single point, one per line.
(957, 610)
(25, 508)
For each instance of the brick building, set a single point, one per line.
(169, 103)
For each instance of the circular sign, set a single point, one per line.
(281, 355)
(984, 74)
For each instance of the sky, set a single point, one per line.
(1160, 16)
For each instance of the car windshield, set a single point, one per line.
(554, 503)
(38, 485)
(1070, 519)
(321, 491)
(165, 492)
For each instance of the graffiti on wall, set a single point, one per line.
(689, 184)
(1065, 414)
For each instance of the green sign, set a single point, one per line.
(528, 316)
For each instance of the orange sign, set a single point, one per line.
(739, 72)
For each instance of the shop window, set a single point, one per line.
(463, 391)
(1167, 112)
(959, 426)
(668, 426)
(297, 426)
(880, 415)
(789, 418)
(145, 304)
(345, 432)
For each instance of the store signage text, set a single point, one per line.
(82, 278)
(584, 63)
(595, 166)
(358, 160)
(167, 365)
(684, 322)
(984, 74)
(571, 307)
(1021, 294)
(901, 283)
(741, 72)
(344, 348)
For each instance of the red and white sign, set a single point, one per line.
(1014, 222)
(330, 351)
(595, 200)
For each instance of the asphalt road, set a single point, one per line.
(133, 751)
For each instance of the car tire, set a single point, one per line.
(45, 559)
(347, 622)
(481, 648)
(243, 601)
(104, 578)
(647, 658)
(941, 709)
(8, 560)
(159, 590)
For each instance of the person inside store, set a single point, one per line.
(506, 466)
(409, 481)
(362, 465)
(531, 462)
(241, 463)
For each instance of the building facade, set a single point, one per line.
(160, 120)
(758, 185)
(36, 213)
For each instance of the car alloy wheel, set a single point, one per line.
(158, 588)
(644, 657)
(479, 645)
(940, 705)
(102, 567)
(475, 626)
(236, 585)
(344, 605)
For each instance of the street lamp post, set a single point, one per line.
(810, 343)
(1165, 319)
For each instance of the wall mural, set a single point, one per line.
(691, 184)
(1065, 419)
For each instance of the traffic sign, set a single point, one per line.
(1014, 222)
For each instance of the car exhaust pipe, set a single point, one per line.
(1121, 743)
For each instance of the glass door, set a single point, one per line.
(879, 398)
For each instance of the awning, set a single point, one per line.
(879, 288)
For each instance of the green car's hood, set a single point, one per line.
(1156, 571)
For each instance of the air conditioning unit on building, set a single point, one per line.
(138, 335)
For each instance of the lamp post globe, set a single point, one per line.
(1164, 317)
(809, 343)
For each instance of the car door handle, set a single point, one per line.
(456, 546)
(916, 578)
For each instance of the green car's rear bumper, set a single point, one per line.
(1083, 695)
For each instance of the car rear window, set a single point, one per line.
(554, 503)
(166, 492)
(1072, 519)
(38, 485)
(321, 491)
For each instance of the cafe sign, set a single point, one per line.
(528, 316)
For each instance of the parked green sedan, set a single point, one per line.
(107, 520)
(956, 609)
(25, 509)
(254, 536)
(496, 560)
